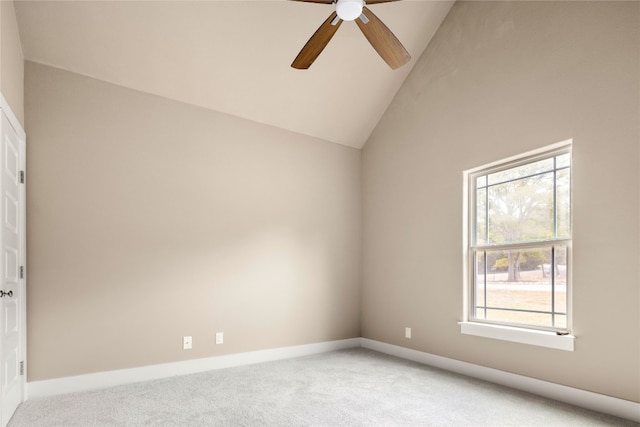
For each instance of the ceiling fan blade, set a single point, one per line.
(383, 40)
(374, 1)
(317, 43)
(322, 1)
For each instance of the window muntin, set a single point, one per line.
(520, 233)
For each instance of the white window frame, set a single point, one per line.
(559, 338)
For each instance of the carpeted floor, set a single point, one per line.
(355, 387)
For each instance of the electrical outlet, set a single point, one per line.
(187, 343)
(219, 338)
(407, 333)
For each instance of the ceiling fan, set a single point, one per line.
(380, 37)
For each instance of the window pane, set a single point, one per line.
(521, 171)
(563, 160)
(521, 210)
(481, 217)
(481, 181)
(561, 321)
(520, 282)
(479, 294)
(520, 287)
(563, 203)
(537, 319)
(560, 287)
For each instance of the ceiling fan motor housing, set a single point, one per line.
(348, 10)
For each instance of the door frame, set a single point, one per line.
(17, 126)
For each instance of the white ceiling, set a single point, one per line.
(234, 56)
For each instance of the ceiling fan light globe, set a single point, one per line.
(348, 10)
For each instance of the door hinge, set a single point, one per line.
(21, 177)
(22, 271)
(22, 367)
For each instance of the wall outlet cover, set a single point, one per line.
(187, 343)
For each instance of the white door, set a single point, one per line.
(11, 262)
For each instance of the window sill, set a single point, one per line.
(523, 336)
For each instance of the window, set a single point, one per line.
(519, 242)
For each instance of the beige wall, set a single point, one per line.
(11, 60)
(497, 80)
(150, 220)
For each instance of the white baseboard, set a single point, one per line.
(126, 376)
(585, 399)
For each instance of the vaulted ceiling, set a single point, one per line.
(234, 56)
